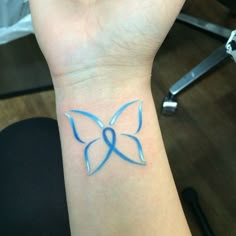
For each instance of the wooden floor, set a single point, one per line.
(201, 138)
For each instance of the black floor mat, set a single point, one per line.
(32, 195)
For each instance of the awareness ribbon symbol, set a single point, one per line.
(109, 137)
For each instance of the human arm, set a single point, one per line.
(100, 55)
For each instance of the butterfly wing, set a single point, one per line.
(123, 113)
(89, 117)
(134, 154)
(139, 147)
(89, 156)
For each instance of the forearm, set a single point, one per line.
(121, 198)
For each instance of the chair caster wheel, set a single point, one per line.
(169, 106)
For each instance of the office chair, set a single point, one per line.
(170, 103)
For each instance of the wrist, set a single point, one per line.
(102, 83)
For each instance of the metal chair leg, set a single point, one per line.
(170, 104)
(207, 26)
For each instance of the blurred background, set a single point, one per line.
(200, 138)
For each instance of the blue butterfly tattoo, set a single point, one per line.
(109, 137)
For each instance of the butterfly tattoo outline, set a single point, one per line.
(109, 136)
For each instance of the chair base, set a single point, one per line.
(170, 104)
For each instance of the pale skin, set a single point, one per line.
(100, 55)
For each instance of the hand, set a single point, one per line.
(84, 39)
